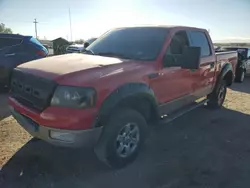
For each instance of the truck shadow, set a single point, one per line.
(4, 108)
(242, 87)
(201, 149)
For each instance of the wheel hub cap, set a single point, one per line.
(242, 76)
(127, 140)
(221, 94)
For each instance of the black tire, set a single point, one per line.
(35, 139)
(240, 76)
(217, 97)
(108, 145)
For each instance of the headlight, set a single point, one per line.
(73, 97)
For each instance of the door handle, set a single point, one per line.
(153, 75)
(212, 65)
(10, 54)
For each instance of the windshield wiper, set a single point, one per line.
(111, 54)
(88, 52)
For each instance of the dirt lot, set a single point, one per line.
(201, 149)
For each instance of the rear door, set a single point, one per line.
(203, 78)
(30, 49)
(8, 55)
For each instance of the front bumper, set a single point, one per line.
(69, 138)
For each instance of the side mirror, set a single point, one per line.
(190, 58)
(86, 44)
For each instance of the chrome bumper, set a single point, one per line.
(59, 137)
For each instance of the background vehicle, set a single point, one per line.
(89, 41)
(243, 66)
(15, 50)
(75, 48)
(126, 81)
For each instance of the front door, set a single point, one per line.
(173, 84)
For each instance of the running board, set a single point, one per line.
(171, 117)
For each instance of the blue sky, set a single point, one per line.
(226, 19)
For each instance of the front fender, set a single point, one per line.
(127, 91)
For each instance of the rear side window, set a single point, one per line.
(7, 42)
(199, 39)
(35, 42)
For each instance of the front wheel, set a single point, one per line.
(122, 138)
(217, 97)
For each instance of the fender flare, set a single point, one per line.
(227, 68)
(127, 91)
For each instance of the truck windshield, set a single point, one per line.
(140, 43)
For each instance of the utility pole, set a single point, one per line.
(70, 25)
(35, 22)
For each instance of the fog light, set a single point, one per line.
(62, 136)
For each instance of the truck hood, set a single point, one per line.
(65, 67)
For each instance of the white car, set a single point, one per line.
(75, 48)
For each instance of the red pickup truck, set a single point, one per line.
(123, 83)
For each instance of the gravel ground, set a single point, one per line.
(208, 149)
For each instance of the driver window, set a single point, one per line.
(248, 54)
(175, 49)
(178, 41)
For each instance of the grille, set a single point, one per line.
(30, 90)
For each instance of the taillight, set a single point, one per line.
(41, 53)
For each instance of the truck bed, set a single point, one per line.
(224, 57)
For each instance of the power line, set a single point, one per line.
(15, 21)
(35, 22)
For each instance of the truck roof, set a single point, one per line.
(5, 35)
(166, 26)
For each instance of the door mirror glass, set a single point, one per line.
(189, 59)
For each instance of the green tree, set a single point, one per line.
(4, 29)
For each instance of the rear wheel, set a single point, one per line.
(217, 98)
(240, 76)
(122, 138)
